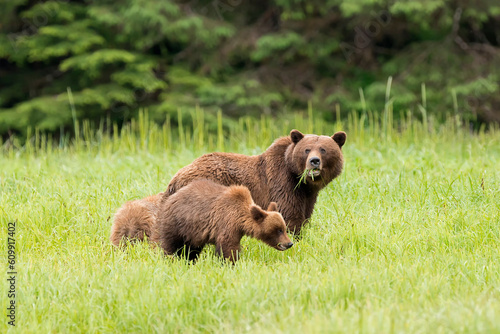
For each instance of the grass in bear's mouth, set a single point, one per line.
(304, 175)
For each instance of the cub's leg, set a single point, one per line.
(170, 242)
(193, 252)
(229, 249)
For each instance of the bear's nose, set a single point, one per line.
(288, 245)
(314, 161)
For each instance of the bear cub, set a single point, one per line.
(204, 212)
(135, 219)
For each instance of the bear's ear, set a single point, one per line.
(257, 213)
(272, 206)
(296, 136)
(339, 138)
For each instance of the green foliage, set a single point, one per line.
(244, 58)
(112, 56)
(94, 62)
(271, 44)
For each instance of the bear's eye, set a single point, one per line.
(308, 151)
(322, 150)
(280, 231)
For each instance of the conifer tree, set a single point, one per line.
(104, 59)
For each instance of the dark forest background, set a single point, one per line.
(62, 61)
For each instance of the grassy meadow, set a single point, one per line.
(406, 240)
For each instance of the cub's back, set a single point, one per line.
(193, 202)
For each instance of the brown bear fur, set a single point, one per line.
(135, 219)
(204, 212)
(274, 175)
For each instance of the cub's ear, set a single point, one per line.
(296, 136)
(257, 213)
(339, 138)
(272, 206)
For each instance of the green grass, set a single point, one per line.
(405, 241)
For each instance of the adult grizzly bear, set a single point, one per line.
(274, 175)
(205, 212)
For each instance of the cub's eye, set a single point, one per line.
(280, 231)
(308, 151)
(322, 150)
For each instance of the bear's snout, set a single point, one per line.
(284, 246)
(314, 162)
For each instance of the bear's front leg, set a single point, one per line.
(295, 224)
(294, 215)
(228, 249)
(193, 252)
